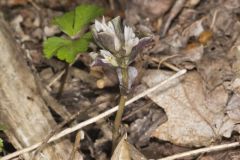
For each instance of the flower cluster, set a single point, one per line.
(119, 46)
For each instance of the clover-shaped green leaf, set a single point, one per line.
(73, 22)
(66, 49)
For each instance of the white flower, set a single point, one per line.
(119, 41)
(108, 58)
(130, 39)
(120, 47)
(108, 28)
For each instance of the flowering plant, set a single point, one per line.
(119, 47)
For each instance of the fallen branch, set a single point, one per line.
(202, 150)
(94, 119)
(22, 108)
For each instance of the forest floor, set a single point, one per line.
(200, 109)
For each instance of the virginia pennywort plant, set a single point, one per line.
(73, 24)
(75, 41)
(120, 47)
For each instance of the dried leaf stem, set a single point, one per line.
(202, 150)
(79, 136)
(63, 80)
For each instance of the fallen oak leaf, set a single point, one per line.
(126, 151)
(195, 117)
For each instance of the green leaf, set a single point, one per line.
(73, 22)
(66, 23)
(66, 49)
(84, 14)
(52, 45)
(2, 127)
(1, 145)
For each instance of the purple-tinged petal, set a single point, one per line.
(100, 62)
(105, 32)
(143, 43)
(95, 36)
(107, 41)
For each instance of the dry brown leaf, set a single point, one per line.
(15, 2)
(223, 21)
(195, 117)
(126, 151)
(235, 52)
(148, 123)
(154, 8)
(231, 4)
(135, 154)
(122, 150)
(191, 54)
(207, 158)
(233, 109)
(194, 30)
(215, 69)
(192, 3)
(51, 30)
(17, 26)
(138, 10)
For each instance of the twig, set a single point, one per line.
(94, 119)
(63, 80)
(112, 5)
(57, 129)
(163, 61)
(60, 74)
(55, 79)
(202, 150)
(212, 26)
(175, 10)
(79, 136)
(35, 5)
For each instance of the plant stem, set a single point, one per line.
(118, 118)
(63, 80)
(78, 138)
(121, 106)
